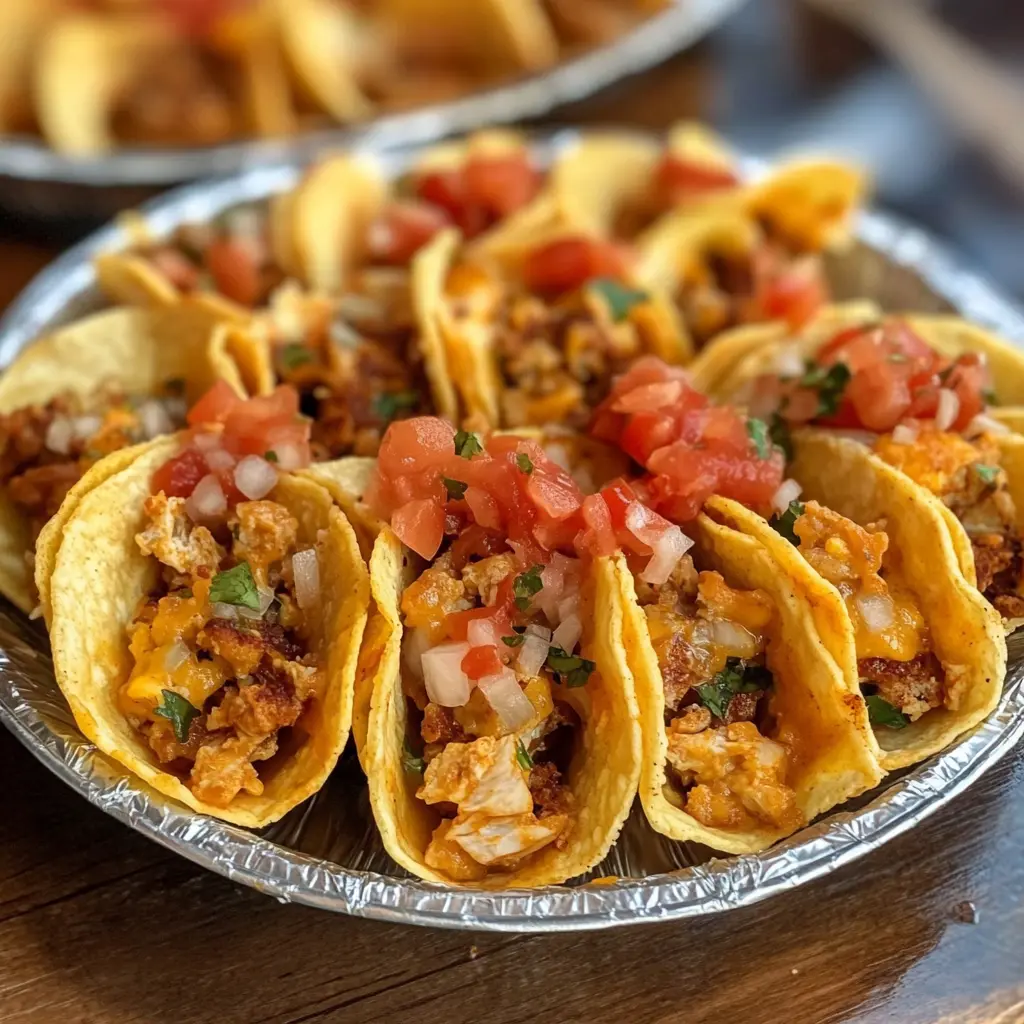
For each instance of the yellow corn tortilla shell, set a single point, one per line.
(321, 42)
(260, 53)
(966, 631)
(347, 480)
(138, 350)
(604, 770)
(331, 210)
(98, 580)
(22, 25)
(834, 757)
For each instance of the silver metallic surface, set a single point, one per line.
(327, 853)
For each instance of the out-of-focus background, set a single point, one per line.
(782, 74)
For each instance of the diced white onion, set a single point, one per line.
(59, 434)
(306, 571)
(568, 634)
(288, 457)
(445, 682)
(218, 459)
(876, 610)
(85, 426)
(789, 490)
(380, 237)
(343, 335)
(207, 501)
(558, 454)
(949, 407)
(244, 224)
(223, 610)
(255, 477)
(668, 549)
(532, 654)
(982, 424)
(206, 442)
(536, 629)
(266, 599)
(154, 419)
(560, 578)
(905, 433)
(568, 606)
(789, 362)
(360, 307)
(177, 654)
(737, 639)
(506, 697)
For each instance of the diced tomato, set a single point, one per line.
(178, 476)
(475, 541)
(482, 661)
(447, 190)
(419, 525)
(501, 185)
(402, 229)
(969, 378)
(414, 445)
(457, 623)
(484, 508)
(235, 271)
(569, 263)
(554, 491)
(795, 295)
(270, 423)
(215, 405)
(598, 538)
(176, 267)
(679, 180)
(879, 397)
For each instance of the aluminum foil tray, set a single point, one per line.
(326, 853)
(37, 183)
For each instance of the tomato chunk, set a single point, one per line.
(679, 180)
(215, 405)
(482, 661)
(235, 271)
(178, 476)
(569, 263)
(402, 229)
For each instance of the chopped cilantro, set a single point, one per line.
(619, 298)
(526, 584)
(178, 711)
(235, 586)
(784, 523)
(881, 712)
(986, 474)
(389, 404)
(736, 677)
(295, 355)
(989, 396)
(830, 383)
(513, 641)
(271, 456)
(412, 762)
(760, 435)
(524, 463)
(467, 444)
(570, 668)
(523, 756)
(456, 488)
(778, 429)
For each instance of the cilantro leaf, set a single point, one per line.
(388, 404)
(524, 463)
(515, 640)
(178, 711)
(271, 456)
(523, 756)
(736, 677)
(456, 488)
(619, 298)
(986, 474)
(412, 762)
(467, 444)
(760, 435)
(295, 355)
(881, 712)
(570, 668)
(830, 383)
(783, 524)
(235, 586)
(526, 584)
(778, 429)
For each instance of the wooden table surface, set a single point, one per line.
(100, 926)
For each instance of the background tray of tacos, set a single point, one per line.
(398, 280)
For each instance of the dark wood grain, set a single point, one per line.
(100, 926)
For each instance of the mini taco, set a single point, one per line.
(885, 594)
(233, 601)
(96, 386)
(502, 744)
(915, 393)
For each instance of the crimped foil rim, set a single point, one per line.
(295, 877)
(650, 43)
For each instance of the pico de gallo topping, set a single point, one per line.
(494, 671)
(690, 448)
(926, 415)
(223, 663)
(45, 449)
(230, 256)
(354, 360)
(711, 642)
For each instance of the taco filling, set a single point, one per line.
(45, 449)
(224, 668)
(925, 415)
